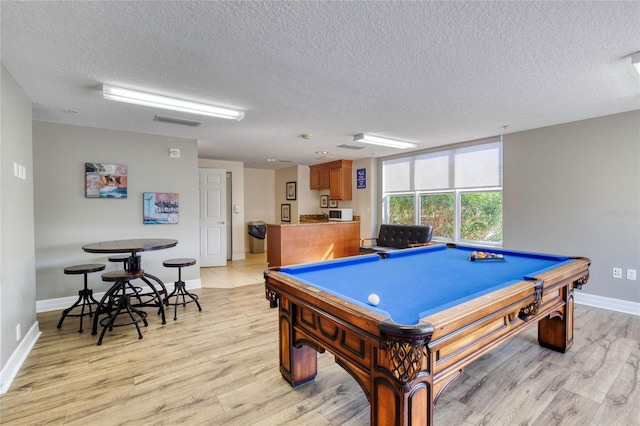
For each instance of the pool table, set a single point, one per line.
(438, 311)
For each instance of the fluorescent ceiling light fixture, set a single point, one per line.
(635, 60)
(120, 94)
(378, 140)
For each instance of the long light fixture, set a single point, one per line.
(635, 60)
(121, 94)
(379, 140)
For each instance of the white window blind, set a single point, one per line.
(474, 166)
(397, 174)
(478, 166)
(433, 171)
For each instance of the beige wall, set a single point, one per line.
(574, 189)
(365, 201)
(282, 176)
(65, 219)
(308, 200)
(17, 253)
(259, 187)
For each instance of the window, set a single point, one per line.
(457, 191)
(438, 210)
(481, 216)
(401, 209)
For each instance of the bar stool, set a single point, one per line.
(85, 296)
(152, 297)
(124, 259)
(121, 258)
(117, 295)
(179, 288)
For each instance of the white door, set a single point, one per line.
(213, 217)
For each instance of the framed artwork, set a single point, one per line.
(105, 180)
(291, 190)
(285, 212)
(333, 203)
(160, 208)
(324, 201)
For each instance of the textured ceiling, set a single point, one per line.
(430, 72)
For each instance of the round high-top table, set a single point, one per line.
(134, 246)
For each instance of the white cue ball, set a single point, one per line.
(373, 299)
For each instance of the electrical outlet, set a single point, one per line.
(631, 274)
(617, 273)
(18, 332)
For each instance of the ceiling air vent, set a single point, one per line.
(175, 120)
(344, 145)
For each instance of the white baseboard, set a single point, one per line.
(238, 256)
(12, 367)
(618, 305)
(64, 302)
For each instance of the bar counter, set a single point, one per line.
(295, 243)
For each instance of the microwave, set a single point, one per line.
(341, 214)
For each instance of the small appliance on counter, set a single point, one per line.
(341, 214)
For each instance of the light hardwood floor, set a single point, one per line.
(220, 367)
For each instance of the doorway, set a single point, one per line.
(229, 218)
(213, 211)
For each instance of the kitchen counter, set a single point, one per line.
(319, 222)
(295, 243)
(321, 218)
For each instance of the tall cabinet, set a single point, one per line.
(334, 176)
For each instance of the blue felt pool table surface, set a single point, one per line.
(415, 283)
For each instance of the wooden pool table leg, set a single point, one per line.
(556, 331)
(391, 406)
(298, 365)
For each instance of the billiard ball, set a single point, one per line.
(373, 299)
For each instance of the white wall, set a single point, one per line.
(574, 189)
(238, 226)
(17, 258)
(65, 219)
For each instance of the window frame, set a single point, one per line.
(457, 192)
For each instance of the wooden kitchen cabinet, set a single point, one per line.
(334, 176)
(319, 177)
